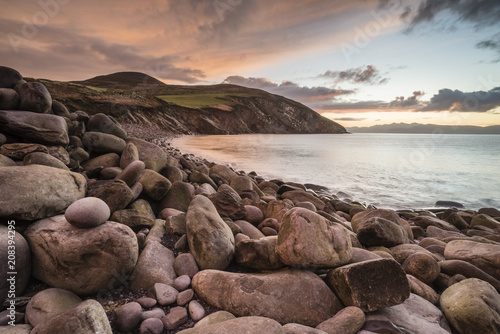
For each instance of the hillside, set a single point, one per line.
(133, 97)
(426, 128)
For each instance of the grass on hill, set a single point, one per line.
(197, 101)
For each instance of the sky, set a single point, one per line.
(358, 62)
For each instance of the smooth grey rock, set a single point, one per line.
(34, 127)
(87, 212)
(35, 191)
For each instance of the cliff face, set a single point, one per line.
(137, 98)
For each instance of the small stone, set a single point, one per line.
(165, 294)
(182, 243)
(128, 316)
(182, 282)
(151, 326)
(146, 302)
(196, 310)
(129, 155)
(87, 212)
(185, 264)
(185, 297)
(177, 316)
(110, 173)
(154, 313)
(253, 215)
(269, 231)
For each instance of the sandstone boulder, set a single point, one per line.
(210, 239)
(84, 261)
(484, 256)
(370, 285)
(99, 142)
(34, 96)
(105, 124)
(472, 306)
(306, 239)
(48, 303)
(9, 77)
(258, 254)
(273, 295)
(153, 156)
(155, 265)
(39, 128)
(228, 203)
(35, 191)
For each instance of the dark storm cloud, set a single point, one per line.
(364, 74)
(288, 88)
(455, 100)
(479, 12)
(491, 44)
(410, 102)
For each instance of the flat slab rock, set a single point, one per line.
(273, 295)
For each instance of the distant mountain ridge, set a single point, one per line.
(426, 128)
(133, 97)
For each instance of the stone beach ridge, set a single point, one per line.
(118, 232)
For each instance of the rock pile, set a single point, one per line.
(205, 249)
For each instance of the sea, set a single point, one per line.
(396, 171)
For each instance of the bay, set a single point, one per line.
(398, 171)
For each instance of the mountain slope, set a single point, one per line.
(426, 128)
(133, 97)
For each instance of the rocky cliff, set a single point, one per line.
(133, 97)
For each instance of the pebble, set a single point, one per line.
(165, 294)
(185, 264)
(146, 302)
(182, 282)
(151, 326)
(177, 316)
(196, 310)
(185, 297)
(128, 316)
(87, 212)
(154, 313)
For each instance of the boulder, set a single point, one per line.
(415, 315)
(38, 128)
(423, 290)
(34, 96)
(84, 261)
(87, 212)
(258, 254)
(6, 161)
(155, 265)
(132, 172)
(99, 142)
(472, 306)
(422, 266)
(197, 177)
(129, 155)
(214, 318)
(248, 229)
(132, 218)
(349, 320)
(153, 156)
(19, 151)
(370, 285)
(39, 158)
(228, 203)
(86, 317)
(9, 99)
(116, 194)
(292, 328)
(9, 77)
(105, 124)
(381, 228)
(484, 220)
(297, 196)
(60, 109)
(243, 325)
(35, 191)
(154, 184)
(492, 212)
(306, 239)
(484, 256)
(185, 264)
(273, 295)
(21, 263)
(48, 303)
(210, 239)
(454, 267)
(102, 161)
(178, 197)
(426, 221)
(223, 171)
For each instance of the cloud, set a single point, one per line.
(410, 102)
(455, 100)
(491, 44)
(364, 74)
(288, 88)
(479, 12)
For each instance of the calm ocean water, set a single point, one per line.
(388, 170)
